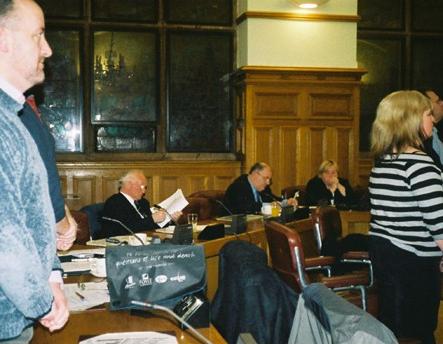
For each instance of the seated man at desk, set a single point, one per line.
(248, 192)
(129, 207)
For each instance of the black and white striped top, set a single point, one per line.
(406, 193)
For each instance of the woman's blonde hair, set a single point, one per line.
(326, 164)
(399, 123)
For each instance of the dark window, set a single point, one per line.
(400, 43)
(139, 76)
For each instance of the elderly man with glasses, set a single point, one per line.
(130, 208)
(248, 192)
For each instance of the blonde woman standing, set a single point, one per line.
(406, 230)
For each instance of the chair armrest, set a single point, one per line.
(345, 280)
(319, 261)
(356, 255)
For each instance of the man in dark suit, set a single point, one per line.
(129, 207)
(66, 227)
(248, 192)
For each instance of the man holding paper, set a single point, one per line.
(130, 208)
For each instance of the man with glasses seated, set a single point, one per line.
(130, 208)
(248, 192)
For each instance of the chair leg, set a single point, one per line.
(364, 300)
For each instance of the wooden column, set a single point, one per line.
(294, 118)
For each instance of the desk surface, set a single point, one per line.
(100, 321)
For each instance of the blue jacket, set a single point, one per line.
(27, 226)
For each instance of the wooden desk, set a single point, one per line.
(354, 221)
(100, 321)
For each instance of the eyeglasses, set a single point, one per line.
(268, 179)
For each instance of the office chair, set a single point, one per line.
(290, 191)
(289, 262)
(94, 212)
(328, 237)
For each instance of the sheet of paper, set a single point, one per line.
(85, 253)
(132, 338)
(82, 296)
(82, 265)
(175, 202)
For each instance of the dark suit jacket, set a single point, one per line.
(239, 197)
(318, 194)
(46, 147)
(251, 297)
(119, 208)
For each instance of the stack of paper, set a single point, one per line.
(82, 296)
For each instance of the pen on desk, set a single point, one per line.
(79, 295)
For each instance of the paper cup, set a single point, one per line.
(98, 267)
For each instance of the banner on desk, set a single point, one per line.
(161, 274)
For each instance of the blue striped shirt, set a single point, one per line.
(406, 193)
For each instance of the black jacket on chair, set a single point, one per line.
(251, 297)
(118, 207)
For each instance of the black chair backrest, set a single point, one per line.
(94, 212)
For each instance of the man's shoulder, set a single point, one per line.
(238, 182)
(115, 198)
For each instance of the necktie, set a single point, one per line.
(31, 102)
(139, 209)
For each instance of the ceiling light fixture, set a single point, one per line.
(309, 4)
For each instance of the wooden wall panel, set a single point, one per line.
(221, 183)
(198, 182)
(321, 108)
(288, 145)
(336, 105)
(86, 186)
(110, 186)
(86, 183)
(317, 150)
(167, 186)
(276, 104)
(344, 151)
(264, 138)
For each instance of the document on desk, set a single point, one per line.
(175, 202)
(132, 338)
(83, 253)
(82, 296)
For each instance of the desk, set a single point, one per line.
(354, 221)
(100, 321)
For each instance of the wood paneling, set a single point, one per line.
(294, 118)
(86, 183)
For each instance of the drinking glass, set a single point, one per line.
(193, 219)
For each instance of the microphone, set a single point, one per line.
(180, 319)
(224, 207)
(124, 226)
(156, 206)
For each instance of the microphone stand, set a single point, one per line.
(224, 207)
(179, 319)
(124, 226)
